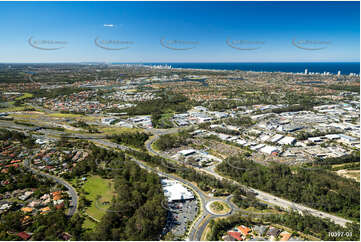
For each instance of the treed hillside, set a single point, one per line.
(168, 102)
(135, 139)
(135, 213)
(319, 188)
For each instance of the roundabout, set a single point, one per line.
(218, 208)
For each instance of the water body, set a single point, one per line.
(294, 67)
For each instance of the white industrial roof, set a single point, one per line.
(332, 136)
(269, 149)
(276, 138)
(241, 141)
(257, 147)
(174, 191)
(264, 137)
(287, 140)
(187, 152)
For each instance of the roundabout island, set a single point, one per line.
(218, 208)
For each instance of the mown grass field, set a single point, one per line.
(25, 95)
(117, 130)
(352, 174)
(96, 186)
(345, 164)
(65, 115)
(13, 109)
(28, 115)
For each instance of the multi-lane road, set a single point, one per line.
(263, 196)
(203, 219)
(205, 216)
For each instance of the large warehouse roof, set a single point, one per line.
(175, 191)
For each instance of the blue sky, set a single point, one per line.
(323, 31)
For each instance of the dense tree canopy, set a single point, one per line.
(319, 188)
(169, 141)
(167, 102)
(135, 213)
(135, 139)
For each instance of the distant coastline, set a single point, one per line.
(292, 67)
(345, 68)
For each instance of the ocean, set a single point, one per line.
(294, 67)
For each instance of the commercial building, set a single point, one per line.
(276, 138)
(187, 152)
(269, 149)
(174, 191)
(287, 141)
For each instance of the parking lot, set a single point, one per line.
(180, 214)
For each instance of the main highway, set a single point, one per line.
(263, 196)
(199, 225)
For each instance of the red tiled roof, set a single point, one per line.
(236, 235)
(59, 206)
(57, 197)
(27, 209)
(24, 235)
(244, 230)
(285, 236)
(56, 193)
